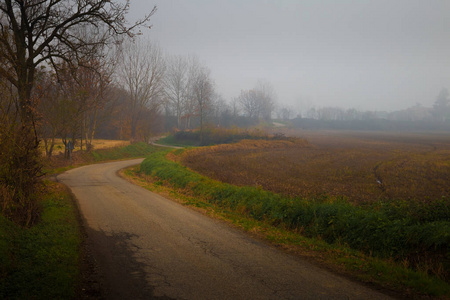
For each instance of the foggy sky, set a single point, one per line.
(368, 55)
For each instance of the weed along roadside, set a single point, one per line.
(403, 250)
(44, 261)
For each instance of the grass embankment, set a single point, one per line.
(377, 244)
(43, 261)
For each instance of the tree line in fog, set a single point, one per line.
(132, 92)
(136, 91)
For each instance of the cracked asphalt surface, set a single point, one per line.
(148, 247)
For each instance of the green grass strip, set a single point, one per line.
(41, 262)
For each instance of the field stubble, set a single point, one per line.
(361, 167)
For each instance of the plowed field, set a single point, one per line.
(362, 167)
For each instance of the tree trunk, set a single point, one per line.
(201, 124)
(86, 132)
(133, 129)
(52, 145)
(93, 127)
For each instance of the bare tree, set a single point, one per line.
(258, 103)
(266, 96)
(235, 107)
(285, 112)
(176, 84)
(93, 81)
(116, 114)
(250, 102)
(50, 107)
(203, 91)
(142, 72)
(190, 109)
(220, 112)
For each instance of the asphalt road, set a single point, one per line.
(149, 247)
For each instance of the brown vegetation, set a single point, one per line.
(362, 167)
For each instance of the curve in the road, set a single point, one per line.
(148, 247)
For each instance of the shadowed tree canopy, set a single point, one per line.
(36, 31)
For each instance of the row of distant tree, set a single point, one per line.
(415, 118)
(440, 112)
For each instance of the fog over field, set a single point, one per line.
(368, 55)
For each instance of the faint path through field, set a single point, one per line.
(149, 247)
(278, 125)
(166, 146)
(153, 141)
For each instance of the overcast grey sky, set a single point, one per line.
(369, 55)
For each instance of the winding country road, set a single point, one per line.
(149, 247)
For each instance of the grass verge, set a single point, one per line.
(281, 221)
(170, 140)
(41, 262)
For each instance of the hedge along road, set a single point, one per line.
(148, 247)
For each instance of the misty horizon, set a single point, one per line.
(379, 56)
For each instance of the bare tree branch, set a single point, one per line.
(142, 73)
(37, 31)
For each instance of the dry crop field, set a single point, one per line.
(359, 166)
(97, 143)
